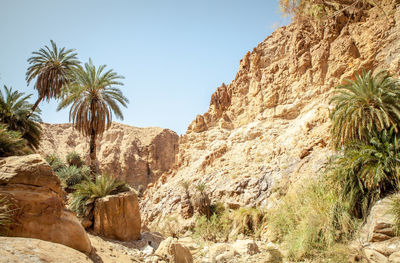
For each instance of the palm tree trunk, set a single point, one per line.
(92, 154)
(34, 106)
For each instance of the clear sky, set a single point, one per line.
(173, 53)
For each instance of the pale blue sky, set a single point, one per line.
(173, 53)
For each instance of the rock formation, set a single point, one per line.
(269, 128)
(136, 155)
(35, 193)
(27, 250)
(377, 237)
(118, 217)
(172, 251)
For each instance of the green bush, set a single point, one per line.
(71, 175)
(11, 142)
(312, 222)
(395, 210)
(366, 172)
(74, 159)
(225, 224)
(55, 162)
(87, 191)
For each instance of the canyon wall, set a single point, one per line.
(269, 128)
(136, 155)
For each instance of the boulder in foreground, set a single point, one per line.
(27, 250)
(40, 212)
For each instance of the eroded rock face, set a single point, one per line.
(136, 155)
(40, 212)
(118, 217)
(269, 128)
(377, 238)
(27, 250)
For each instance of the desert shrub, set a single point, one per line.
(168, 227)
(86, 192)
(71, 175)
(55, 162)
(11, 142)
(395, 210)
(6, 215)
(225, 224)
(247, 221)
(74, 159)
(201, 202)
(312, 222)
(215, 228)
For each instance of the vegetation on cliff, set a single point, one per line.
(318, 222)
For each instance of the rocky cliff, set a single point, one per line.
(269, 128)
(137, 155)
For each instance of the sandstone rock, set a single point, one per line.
(246, 247)
(222, 253)
(172, 251)
(27, 250)
(136, 155)
(379, 224)
(395, 257)
(35, 191)
(375, 257)
(154, 239)
(118, 216)
(386, 247)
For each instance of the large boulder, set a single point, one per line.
(35, 191)
(377, 237)
(173, 251)
(27, 250)
(118, 216)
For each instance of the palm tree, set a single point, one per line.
(93, 98)
(367, 171)
(368, 103)
(52, 68)
(14, 108)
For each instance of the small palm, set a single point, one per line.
(14, 108)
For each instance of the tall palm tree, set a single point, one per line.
(52, 68)
(93, 97)
(14, 108)
(366, 104)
